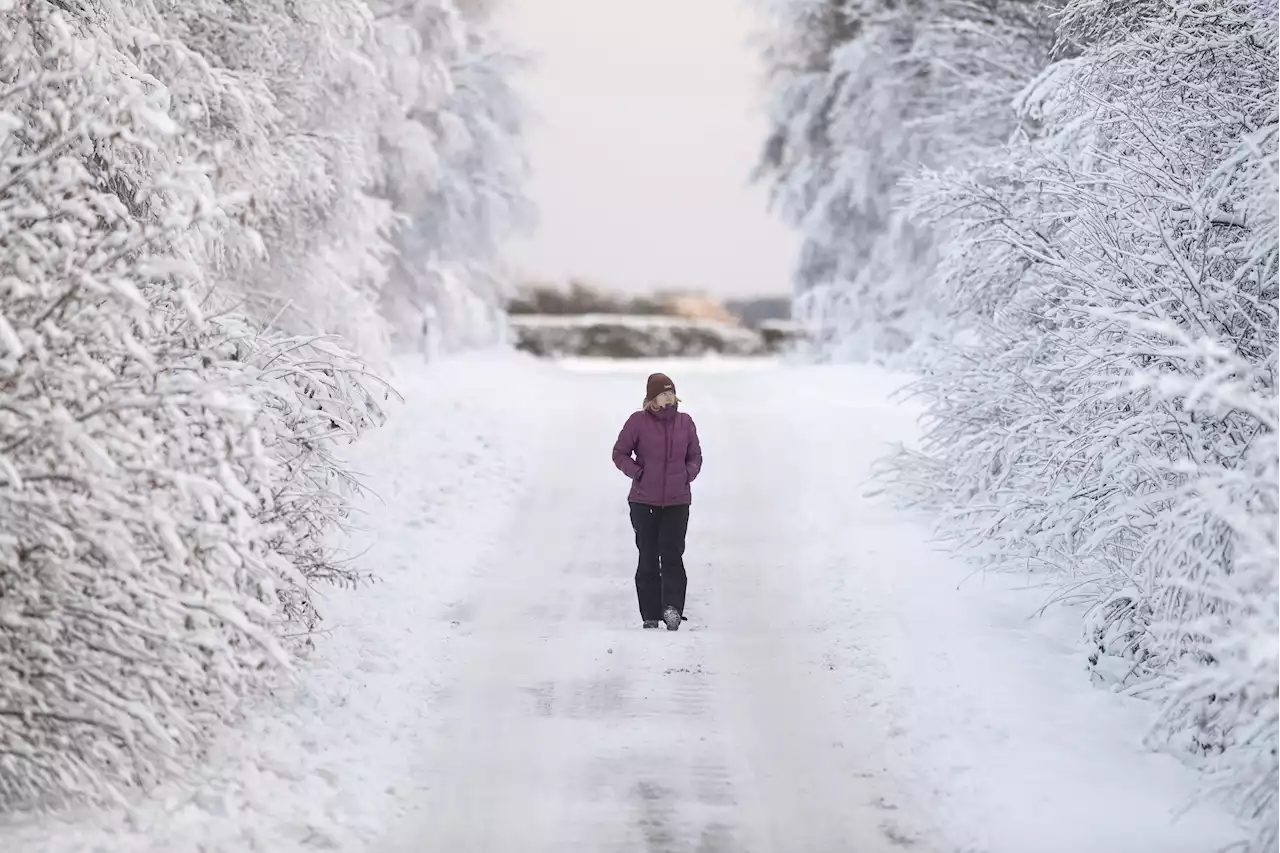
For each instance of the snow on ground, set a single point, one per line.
(837, 686)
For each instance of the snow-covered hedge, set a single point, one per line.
(1112, 417)
(628, 336)
(189, 193)
(1069, 210)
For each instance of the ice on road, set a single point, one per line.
(839, 686)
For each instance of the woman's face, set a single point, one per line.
(666, 398)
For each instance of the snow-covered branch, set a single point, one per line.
(865, 92)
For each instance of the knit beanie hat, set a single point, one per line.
(658, 383)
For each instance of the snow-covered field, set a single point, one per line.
(839, 685)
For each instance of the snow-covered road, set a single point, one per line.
(831, 691)
(836, 688)
(567, 727)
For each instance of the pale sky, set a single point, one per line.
(648, 119)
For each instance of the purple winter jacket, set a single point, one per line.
(660, 452)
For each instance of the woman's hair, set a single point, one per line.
(653, 404)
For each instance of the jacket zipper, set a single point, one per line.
(666, 457)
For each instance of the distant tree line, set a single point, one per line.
(579, 297)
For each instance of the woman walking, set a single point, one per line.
(658, 449)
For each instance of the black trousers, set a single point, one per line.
(660, 577)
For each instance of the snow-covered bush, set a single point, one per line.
(167, 483)
(193, 194)
(135, 584)
(1215, 618)
(308, 395)
(1112, 417)
(864, 92)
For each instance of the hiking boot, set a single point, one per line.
(672, 617)
(652, 623)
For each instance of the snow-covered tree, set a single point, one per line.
(167, 484)
(455, 169)
(864, 92)
(1112, 419)
(286, 96)
(135, 585)
(374, 146)
(193, 196)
